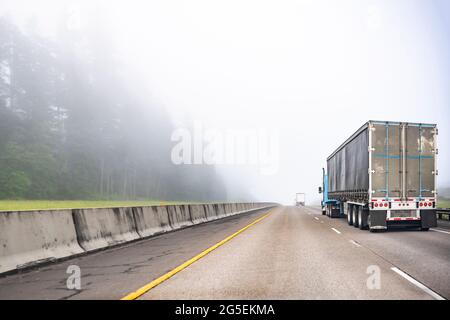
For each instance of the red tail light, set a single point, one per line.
(376, 204)
(385, 204)
(421, 204)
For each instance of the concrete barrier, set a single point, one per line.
(198, 213)
(151, 220)
(210, 213)
(31, 237)
(237, 208)
(179, 216)
(99, 228)
(221, 210)
(228, 209)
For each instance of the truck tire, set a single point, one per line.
(355, 215)
(350, 209)
(424, 229)
(362, 219)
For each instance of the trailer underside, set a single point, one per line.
(361, 216)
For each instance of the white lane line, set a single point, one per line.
(417, 284)
(336, 230)
(316, 218)
(355, 243)
(438, 230)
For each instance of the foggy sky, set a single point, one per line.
(313, 71)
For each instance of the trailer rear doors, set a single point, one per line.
(402, 160)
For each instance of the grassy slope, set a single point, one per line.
(443, 203)
(14, 205)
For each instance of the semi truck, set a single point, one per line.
(299, 199)
(384, 175)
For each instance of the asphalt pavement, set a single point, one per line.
(293, 253)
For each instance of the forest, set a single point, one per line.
(73, 127)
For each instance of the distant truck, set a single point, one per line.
(384, 175)
(299, 199)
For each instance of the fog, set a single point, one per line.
(299, 77)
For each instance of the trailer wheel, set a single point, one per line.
(350, 209)
(355, 216)
(362, 219)
(424, 229)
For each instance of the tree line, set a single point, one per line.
(71, 128)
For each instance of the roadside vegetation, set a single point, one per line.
(18, 205)
(71, 126)
(443, 203)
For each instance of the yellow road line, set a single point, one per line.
(136, 294)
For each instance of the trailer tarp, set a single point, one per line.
(348, 167)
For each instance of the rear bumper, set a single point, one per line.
(380, 220)
(403, 219)
(404, 223)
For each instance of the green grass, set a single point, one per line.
(443, 203)
(19, 205)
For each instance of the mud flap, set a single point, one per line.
(377, 220)
(428, 218)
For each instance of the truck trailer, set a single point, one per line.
(384, 175)
(299, 199)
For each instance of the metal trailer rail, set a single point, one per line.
(443, 214)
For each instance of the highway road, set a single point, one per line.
(292, 253)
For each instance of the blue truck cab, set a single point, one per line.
(330, 207)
